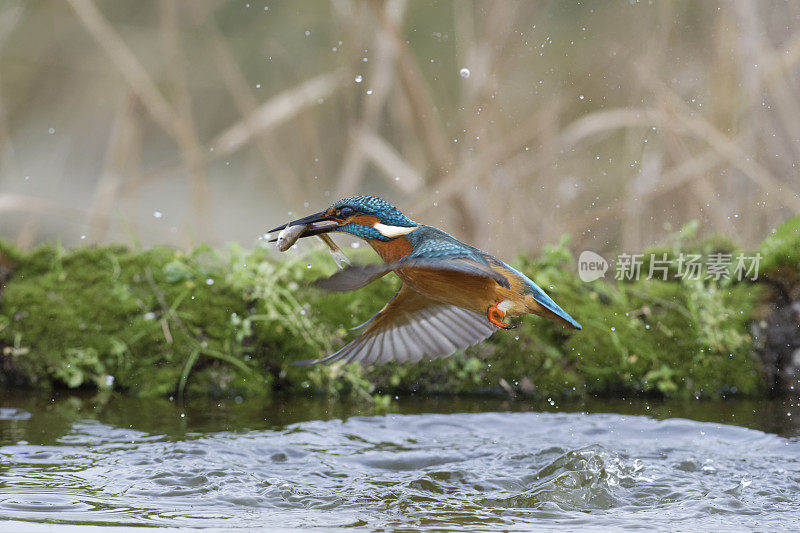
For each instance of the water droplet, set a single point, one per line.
(464, 73)
(209, 281)
(158, 214)
(83, 237)
(359, 79)
(581, 97)
(51, 131)
(369, 91)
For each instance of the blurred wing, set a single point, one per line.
(412, 327)
(353, 277)
(357, 276)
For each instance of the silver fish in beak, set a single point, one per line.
(289, 235)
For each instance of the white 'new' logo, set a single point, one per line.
(591, 266)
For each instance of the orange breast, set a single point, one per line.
(392, 250)
(476, 293)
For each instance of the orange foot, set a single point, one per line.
(496, 316)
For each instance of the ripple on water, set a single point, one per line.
(422, 471)
(11, 413)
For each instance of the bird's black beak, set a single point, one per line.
(318, 223)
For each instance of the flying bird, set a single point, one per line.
(453, 295)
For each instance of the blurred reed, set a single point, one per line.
(508, 123)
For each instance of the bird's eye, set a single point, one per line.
(346, 212)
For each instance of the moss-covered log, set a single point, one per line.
(160, 322)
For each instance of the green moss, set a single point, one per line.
(109, 316)
(161, 322)
(9, 253)
(782, 248)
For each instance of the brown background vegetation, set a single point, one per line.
(611, 121)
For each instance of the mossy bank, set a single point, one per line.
(229, 323)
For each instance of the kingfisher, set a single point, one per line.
(452, 295)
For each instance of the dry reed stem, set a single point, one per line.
(782, 61)
(10, 16)
(421, 101)
(185, 130)
(411, 138)
(702, 185)
(496, 153)
(179, 126)
(127, 64)
(7, 158)
(670, 180)
(704, 130)
(285, 177)
(276, 111)
(484, 56)
(385, 157)
(123, 141)
(380, 80)
(57, 161)
(10, 203)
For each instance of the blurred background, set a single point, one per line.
(505, 123)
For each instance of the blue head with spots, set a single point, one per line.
(370, 217)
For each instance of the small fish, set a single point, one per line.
(289, 235)
(338, 255)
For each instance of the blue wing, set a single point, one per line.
(434, 243)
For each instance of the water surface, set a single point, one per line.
(476, 464)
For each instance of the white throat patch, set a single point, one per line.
(393, 231)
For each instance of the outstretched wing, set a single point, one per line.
(412, 327)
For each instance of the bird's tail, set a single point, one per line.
(548, 308)
(544, 306)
